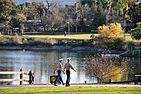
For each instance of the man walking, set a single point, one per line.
(67, 67)
(59, 69)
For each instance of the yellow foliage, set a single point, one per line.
(111, 32)
(21, 16)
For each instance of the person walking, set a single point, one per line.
(67, 68)
(59, 70)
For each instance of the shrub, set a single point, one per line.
(111, 32)
(117, 44)
(136, 32)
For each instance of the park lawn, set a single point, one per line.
(73, 90)
(72, 36)
(127, 37)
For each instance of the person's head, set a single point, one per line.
(60, 60)
(68, 59)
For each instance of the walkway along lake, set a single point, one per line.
(42, 63)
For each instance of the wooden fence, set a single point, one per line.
(136, 80)
(20, 73)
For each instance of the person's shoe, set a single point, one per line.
(55, 85)
(67, 85)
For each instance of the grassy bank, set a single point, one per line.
(45, 40)
(72, 36)
(73, 90)
(73, 40)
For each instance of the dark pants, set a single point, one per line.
(68, 77)
(59, 78)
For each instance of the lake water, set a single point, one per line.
(42, 63)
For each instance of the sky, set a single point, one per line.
(60, 1)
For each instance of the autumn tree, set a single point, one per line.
(111, 37)
(105, 68)
(111, 32)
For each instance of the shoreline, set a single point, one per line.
(61, 48)
(34, 48)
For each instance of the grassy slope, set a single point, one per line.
(73, 90)
(72, 36)
(77, 36)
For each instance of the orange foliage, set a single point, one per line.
(111, 32)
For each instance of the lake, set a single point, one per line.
(43, 64)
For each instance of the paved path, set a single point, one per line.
(94, 85)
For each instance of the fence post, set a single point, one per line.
(21, 77)
(109, 81)
(30, 77)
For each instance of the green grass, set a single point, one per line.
(72, 36)
(73, 90)
(70, 40)
(76, 36)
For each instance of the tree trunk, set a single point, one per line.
(108, 12)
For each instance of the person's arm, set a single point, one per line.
(56, 68)
(72, 68)
(62, 69)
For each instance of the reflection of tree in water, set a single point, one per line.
(105, 68)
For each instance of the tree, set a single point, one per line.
(134, 14)
(105, 68)
(98, 20)
(6, 6)
(111, 32)
(51, 15)
(111, 37)
(115, 10)
(18, 14)
(84, 15)
(31, 10)
(136, 32)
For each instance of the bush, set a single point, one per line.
(74, 43)
(136, 35)
(111, 32)
(117, 44)
(136, 32)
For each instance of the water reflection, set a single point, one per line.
(43, 65)
(113, 69)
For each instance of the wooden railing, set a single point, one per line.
(20, 73)
(136, 80)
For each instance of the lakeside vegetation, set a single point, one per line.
(110, 19)
(73, 90)
(42, 41)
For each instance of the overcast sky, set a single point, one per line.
(60, 1)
